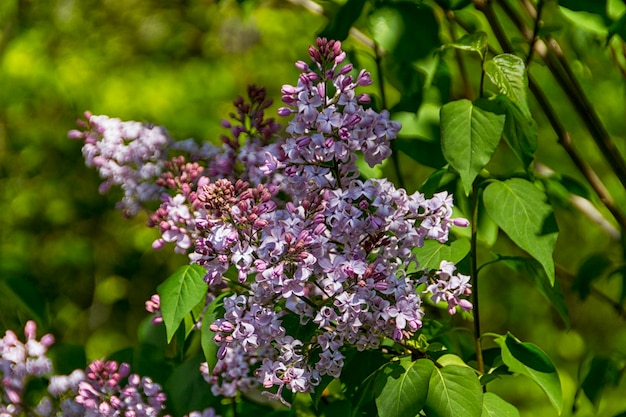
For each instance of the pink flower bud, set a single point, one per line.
(30, 330)
(75, 134)
(461, 222)
(302, 66)
(364, 98)
(284, 111)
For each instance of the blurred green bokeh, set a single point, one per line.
(85, 269)
(71, 261)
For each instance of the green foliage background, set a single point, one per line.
(69, 260)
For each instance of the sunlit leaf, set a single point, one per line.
(508, 73)
(179, 294)
(528, 359)
(432, 253)
(454, 391)
(521, 210)
(405, 387)
(475, 42)
(494, 406)
(469, 137)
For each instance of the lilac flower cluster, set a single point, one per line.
(286, 226)
(105, 389)
(20, 362)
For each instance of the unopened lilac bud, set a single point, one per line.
(288, 89)
(124, 369)
(134, 379)
(339, 58)
(225, 123)
(465, 305)
(461, 222)
(260, 223)
(158, 244)
(75, 134)
(284, 111)
(47, 340)
(30, 330)
(319, 229)
(346, 69)
(364, 98)
(303, 141)
(221, 352)
(302, 66)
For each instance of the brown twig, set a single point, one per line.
(564, 136)
(551, 53)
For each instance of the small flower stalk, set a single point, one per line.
(286, 226)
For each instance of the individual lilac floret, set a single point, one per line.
(20, 362)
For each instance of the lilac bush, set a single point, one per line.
(285, 225)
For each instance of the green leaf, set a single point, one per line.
(186, 388)
(487, 232)
(432, 253)
(405, 387)
(508, 73)
(26, 294)
(409, 81)
(528, 359)
(437, 181)
(520, 131)
(475, 42)
(600, 373)
(469, 136)
(521, 210)
(393, 27)
(592, 269)
(534, 272)
(214, 311)
(340, 23)
(179, 294)
(454, 391)
(494, 406)
(425, 152)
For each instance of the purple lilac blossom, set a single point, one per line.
(105, 389)
(303, 235)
